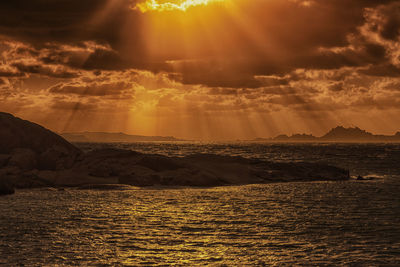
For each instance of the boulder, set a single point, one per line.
(160, 163)
(4, 158)
(10, 171)
(56, 158)
(5, 187)
(68, 178)
(30, 180)
(23, 158)
(18, 133)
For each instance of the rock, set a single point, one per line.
(238, 170)
(56, 158)
(30, 180)
(10, 171)
(4, 158)
(32, 156)
(5, 187)
(305, 171)
(203, 170)
(49, 176)
(23, 158)
(140, 180)
(105, 187)
(160, 163)
(18, 133)
(71, 178)
(110, 163)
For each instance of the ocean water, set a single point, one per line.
(316, 223)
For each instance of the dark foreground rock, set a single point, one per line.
(31, 146)
(105, 187)
(32, 156)
(137, 169)
(6, 188)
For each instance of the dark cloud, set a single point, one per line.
(73, 105)
(382, 70)
(64, 20)
(336, 87)
(106, 60)
(223, 91)
(386, 102)
(260, 48)
(7, 73)
(279, 90)
(388, 21)
(92, 89)
(322, 35)
(391, 29)
(45, 70)
(393, 85)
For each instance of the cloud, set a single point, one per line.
(285, 36)
(92, 89)
(256, 63)
(73, 105)
(63, 20)
(382, 70)
(20, 60)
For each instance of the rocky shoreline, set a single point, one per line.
(33, 157)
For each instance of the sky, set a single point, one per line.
(202, 69)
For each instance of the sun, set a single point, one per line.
(160, 5)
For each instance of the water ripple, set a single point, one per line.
(318, 223)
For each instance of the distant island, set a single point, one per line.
(338, 134)
(103, 137)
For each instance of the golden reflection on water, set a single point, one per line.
(322, 223)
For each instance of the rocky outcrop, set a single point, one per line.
(32, 146)
(137, 169)
(32, 156)
(23, 158)
(4, 159)
(337, 134)
(5, 187)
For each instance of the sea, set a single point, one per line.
(345, 223)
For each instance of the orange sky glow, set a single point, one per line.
(202, 69)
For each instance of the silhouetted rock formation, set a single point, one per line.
(296, 137)
(341, 133)
(281, 137)
(337, 134)
(35, 157)
(132, 168)
(100, 137)
(4, 159)
(32, 146)
(23, 158)
(6, 188)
